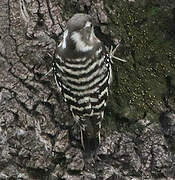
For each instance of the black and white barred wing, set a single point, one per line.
(84, 83)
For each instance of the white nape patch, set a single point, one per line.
(88, 24)
(64, 39)
(92, 35)
(63, 42)
(79, 43)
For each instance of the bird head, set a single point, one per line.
(82, 25)
(80, 34)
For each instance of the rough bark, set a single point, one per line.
(139, 127)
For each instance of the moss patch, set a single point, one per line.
(140, 86)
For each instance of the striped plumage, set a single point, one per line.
(82, 71)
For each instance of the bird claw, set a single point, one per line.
(112, 52)
(119, 59)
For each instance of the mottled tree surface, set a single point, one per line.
(139, 128)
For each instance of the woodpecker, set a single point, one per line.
(83, 73)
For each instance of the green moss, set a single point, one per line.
(150, 54)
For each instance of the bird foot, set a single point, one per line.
(112, 52)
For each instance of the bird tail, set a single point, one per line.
(93, 130)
